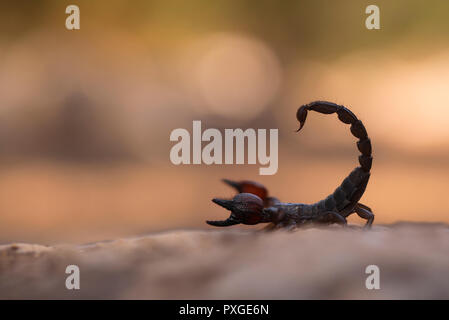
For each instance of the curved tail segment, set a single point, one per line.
(346, 196)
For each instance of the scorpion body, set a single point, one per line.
(252, 204)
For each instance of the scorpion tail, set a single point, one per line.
(346, 196)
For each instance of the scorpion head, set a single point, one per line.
(245, 208)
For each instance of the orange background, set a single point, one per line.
(85, 116)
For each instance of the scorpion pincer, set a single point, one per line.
(252, 205)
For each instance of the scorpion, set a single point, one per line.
(252, 205)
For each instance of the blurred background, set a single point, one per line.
(86, 115)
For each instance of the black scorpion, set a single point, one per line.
(252, 205)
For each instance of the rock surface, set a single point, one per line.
(314, 263)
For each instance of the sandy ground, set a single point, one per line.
(309, 263)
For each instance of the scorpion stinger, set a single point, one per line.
(252, 205)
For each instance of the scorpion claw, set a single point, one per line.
(223, 223)
(233, 184)
(245, 208)
(227, 204)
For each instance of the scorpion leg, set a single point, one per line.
(334, 217)
(365, 212)
(364, 207)
(290, 226)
